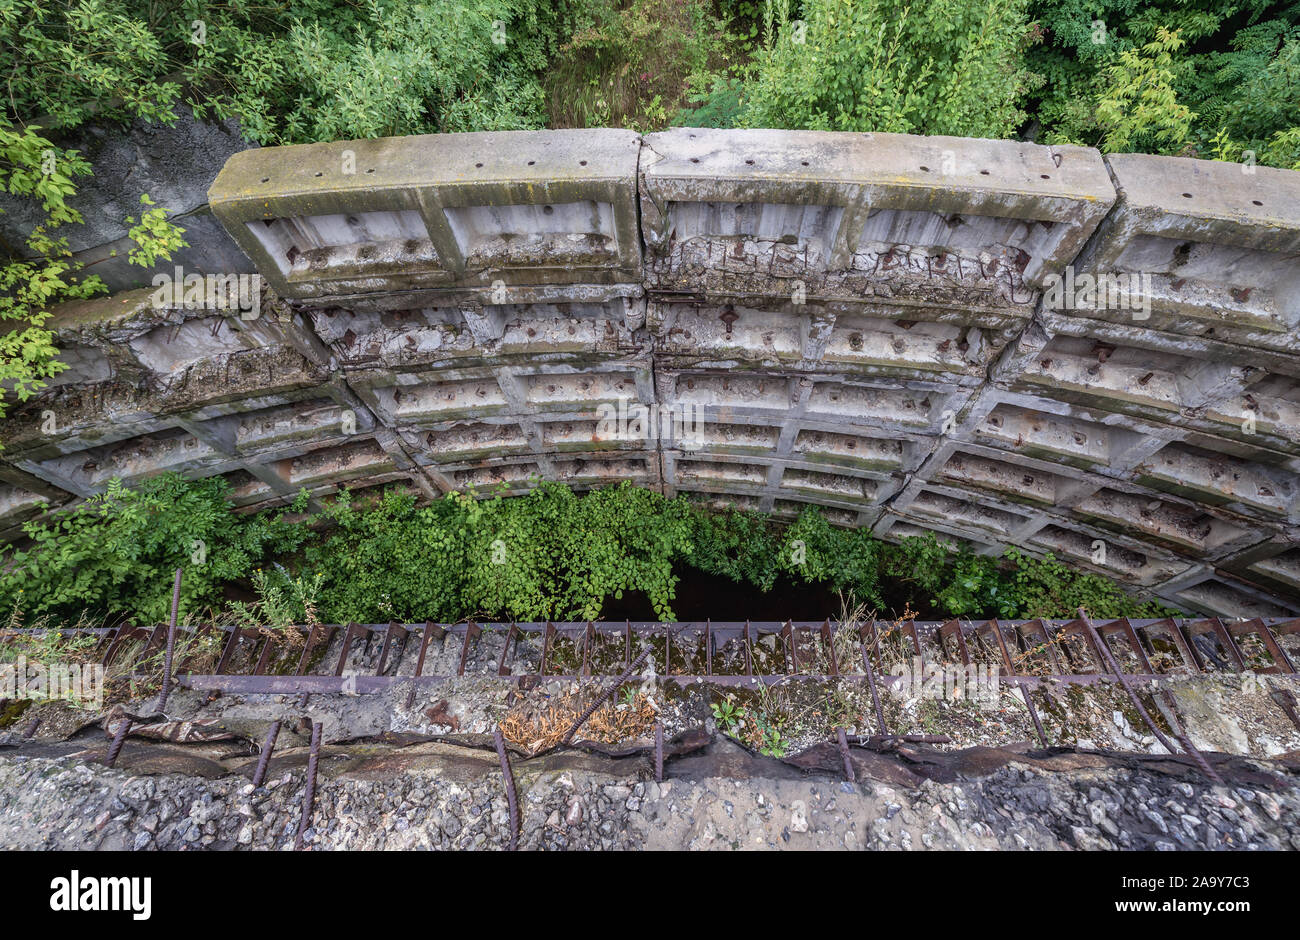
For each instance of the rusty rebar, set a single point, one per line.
(604, 696)
(1119, 674)
(119, 738)
(659, 752)
(875, 693)
(171, 644)
(265, 757)
(843, 741)
(309, 798)
(1033, 713)
(512, 803)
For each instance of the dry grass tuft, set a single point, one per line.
(537, 727)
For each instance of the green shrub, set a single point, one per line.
(939, 67)
(551, 554)
(114, 554)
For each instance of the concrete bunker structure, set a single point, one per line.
(997, 342)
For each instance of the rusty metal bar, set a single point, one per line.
(953, 628)
(119, 739)
(472, 631)
(309, 798)
(1123, 680)
(389, 642)
(659, 752)
(511, 799)
(828, 641)
(547, 638)
(843, 741)
(264, 659)
(265, 757)
(871, 680)
(229, 650)
(512, 637)
(996, 629)
(1033, 713)
(1281, 663)
(308, 647)
(588, 640)
(353, 628)
(604, 696)
(171, 644)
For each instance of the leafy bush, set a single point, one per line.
(1227, 84)
(941, 67)
(551, 554)
(292, 71)
(114, 554)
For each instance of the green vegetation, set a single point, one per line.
(939, 67)
(551, 554)
(33, 168)
(1202, 77)
(1207, 78)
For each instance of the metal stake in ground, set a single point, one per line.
(1033, 713)
(875, 693)
(604, 696)
(171, 644)
(119, 738)
(843, 740)
(309, 798)
(511, 800)
(265, 758)
(659, 752)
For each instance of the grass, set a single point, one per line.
(536, 727)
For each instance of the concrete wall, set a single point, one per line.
(870, 323)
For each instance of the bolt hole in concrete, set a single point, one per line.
(1044, 176)
(1257, 202)
(925, 169)
(266, 179)
(805, 162)
(478, 166)
(749, 162)
(984, 172)
(371, 170)
(1187, 195)
(582, 163)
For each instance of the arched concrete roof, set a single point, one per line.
(999, 342)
